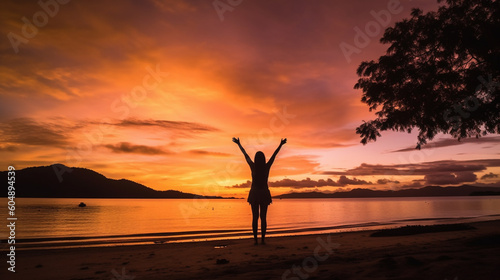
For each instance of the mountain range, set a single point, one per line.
(464, 190)
(60, 181)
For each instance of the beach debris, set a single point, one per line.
(159, 241)
(222, 261)
(220, 246)
(82, 204)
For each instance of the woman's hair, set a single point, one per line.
(260, 159)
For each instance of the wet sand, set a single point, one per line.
(464, 254)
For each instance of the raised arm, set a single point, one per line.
(271, 160)
(249, 160)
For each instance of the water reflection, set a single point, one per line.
(39, 218)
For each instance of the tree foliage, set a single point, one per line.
(440, 74)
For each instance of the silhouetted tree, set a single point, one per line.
(441, 73)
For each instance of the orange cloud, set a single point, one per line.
(77, 93)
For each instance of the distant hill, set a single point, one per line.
(464, 190)
(42, 181)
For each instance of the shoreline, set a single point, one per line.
(213, 235)
(466, 254)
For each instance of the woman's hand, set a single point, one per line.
(236, 140)
(283, 141)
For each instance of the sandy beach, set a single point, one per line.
(464, 254)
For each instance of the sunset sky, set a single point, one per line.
(153, 91)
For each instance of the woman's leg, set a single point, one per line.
(255, 220)
(263, 221)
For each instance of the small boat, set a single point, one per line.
(82, 204)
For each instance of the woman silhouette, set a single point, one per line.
(259, 195)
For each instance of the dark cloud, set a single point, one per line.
(172, 125)
(57, 132)
(125, 147)
(208, 153)
(8, 148)
(387, 181)
(415, 184)
(425, 168)
(490, 175)
(450, 178)
(31, 132)
(435, 173)
(308, 183)
(245, 185)
(343, 180)
(305, 183)
(453, 142)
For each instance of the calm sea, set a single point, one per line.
(44, 222)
